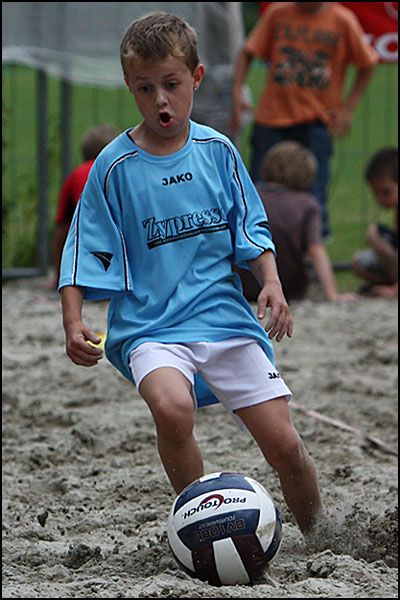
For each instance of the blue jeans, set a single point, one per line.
(313, 136)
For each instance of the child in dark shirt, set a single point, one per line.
(378, 265)
(294, 216)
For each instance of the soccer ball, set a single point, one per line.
(224, 528)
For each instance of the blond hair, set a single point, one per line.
(291, 165)
(158, 35)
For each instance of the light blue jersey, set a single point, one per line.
(157, 235)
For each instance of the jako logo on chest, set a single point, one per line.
(180, 178)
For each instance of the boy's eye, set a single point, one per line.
(144, 88)
(172, 84)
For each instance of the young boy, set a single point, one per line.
(379, 264)
(294, 216)
(167, 206)
(308, 46)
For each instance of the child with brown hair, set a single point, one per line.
(167, 208)
(294, 216)
(379, 265)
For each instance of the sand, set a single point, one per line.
(85, 499)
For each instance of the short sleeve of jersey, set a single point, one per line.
(94, 255)
(247, 219)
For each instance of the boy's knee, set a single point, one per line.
(174, 417)
(372, 234)
(288, 454)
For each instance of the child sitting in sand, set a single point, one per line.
(294, 216)
(378, 265)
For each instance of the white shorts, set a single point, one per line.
(236, 370)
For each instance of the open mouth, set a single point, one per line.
(165, 118)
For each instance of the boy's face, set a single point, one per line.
(386, 191)
(163, 91)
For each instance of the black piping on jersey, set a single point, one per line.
(114, 164)
(75, 267)
(108, 174)
(238, 181)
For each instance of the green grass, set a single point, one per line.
(351, 205)
(19, 166)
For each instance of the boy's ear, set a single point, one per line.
(198, 75)
(127, 83)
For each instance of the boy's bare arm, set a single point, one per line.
(280, 322)
(342, 116)
(77, 333)
(324, 271)
(238, 104)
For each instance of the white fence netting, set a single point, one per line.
(79, 41)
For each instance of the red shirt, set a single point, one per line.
(71, 191)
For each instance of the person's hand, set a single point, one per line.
(78, 336)
(280, 322)
(342, 118)
(347, 298)
(235, 121)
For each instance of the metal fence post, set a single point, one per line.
(42, 173)
(65, 128)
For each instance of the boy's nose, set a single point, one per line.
(160, 98)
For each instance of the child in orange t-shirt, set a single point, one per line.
(308, 46)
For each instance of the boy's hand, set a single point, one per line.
(280, 322)
(235, 121)
(342, 118)
(77, 347)
(346, 298)
(78, 335)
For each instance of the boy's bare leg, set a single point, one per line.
(168, 395)
(271, 426)
(387, 256)
(369, 276)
